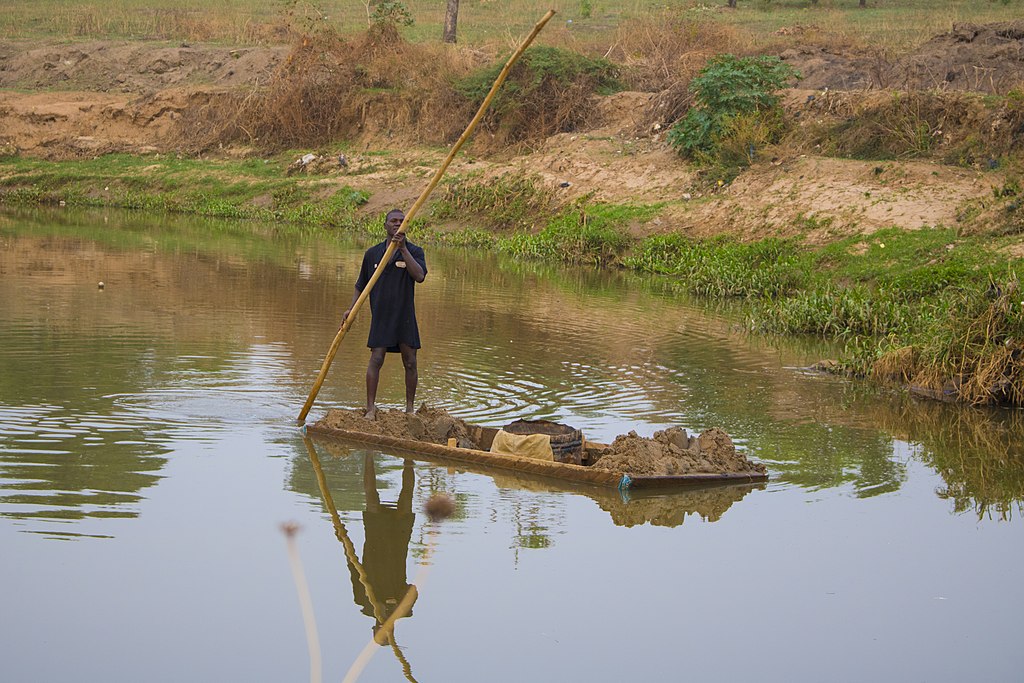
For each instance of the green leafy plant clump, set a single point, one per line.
(734, 105)
(392, 13)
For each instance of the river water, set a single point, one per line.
(149, 456)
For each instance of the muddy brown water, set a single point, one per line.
(148, 456)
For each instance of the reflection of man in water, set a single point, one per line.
(388, 528)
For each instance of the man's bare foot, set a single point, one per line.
(371, 413)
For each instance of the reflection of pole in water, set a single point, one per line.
(305, 602)
(385, 623)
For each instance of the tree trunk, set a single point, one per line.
(451, 18)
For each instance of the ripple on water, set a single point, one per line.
(45, 486)
(491, 385)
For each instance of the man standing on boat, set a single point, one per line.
(393, 325)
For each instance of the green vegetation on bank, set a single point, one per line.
(932, 308)
(735, 111)
(250, 189)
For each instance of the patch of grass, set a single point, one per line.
(835, 311)
(726, 268)
(469, 239)
(585, 233)
(169, 185)
(888, 251)
(511, 201)
(891, 26)
(925, 307)
(975, 351)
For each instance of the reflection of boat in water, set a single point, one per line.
(379, 582)
(658, 508)
(627, 507)
(552, 470)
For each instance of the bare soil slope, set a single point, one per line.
(93, 98)
(981, 58)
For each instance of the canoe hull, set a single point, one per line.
(565, 472)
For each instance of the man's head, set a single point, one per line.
(393, 221)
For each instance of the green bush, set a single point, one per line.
(538, 66)
(733, 97)
(392, 13)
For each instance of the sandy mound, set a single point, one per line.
(672, 451)
(134, 67)
(985, 58)
(433, 425)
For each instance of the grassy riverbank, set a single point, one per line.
(933, 308)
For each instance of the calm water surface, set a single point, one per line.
(148, 456)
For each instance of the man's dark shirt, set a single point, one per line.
(392, 299)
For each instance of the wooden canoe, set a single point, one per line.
(560, 471)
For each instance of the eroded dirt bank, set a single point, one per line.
(88, 99)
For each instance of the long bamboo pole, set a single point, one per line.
(412, 212)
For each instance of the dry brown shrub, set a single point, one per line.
(898, 365)
(661, 53)
(555, 108)
(900, 125)
(548, 91)
(658, 51)
(669, 105)
(960, 127)
(981, 363)
(330, 89)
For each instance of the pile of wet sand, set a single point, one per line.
(433, 425)
(673, 451)
(668, 452)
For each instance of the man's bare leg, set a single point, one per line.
(411, 376)
(373, 379)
